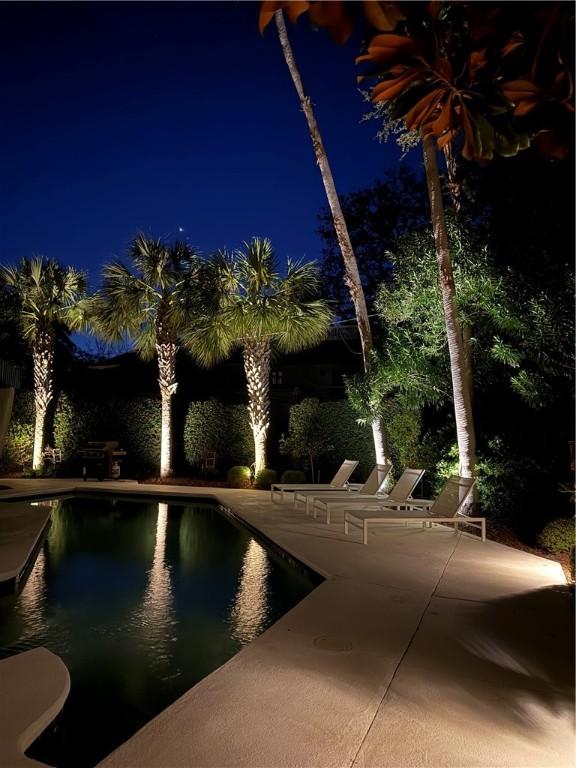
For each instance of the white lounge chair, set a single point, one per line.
(368, 491)
(446, 509)
(399, 495)
(337, 483)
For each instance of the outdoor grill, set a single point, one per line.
(97, 458)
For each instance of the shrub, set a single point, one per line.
(349, 439)
(136, 424)
(265, 478)
(558, 536)
(214, 426)
(20, 437)
(240, 477)
(20, 444)
(307, 436)
(293, 476)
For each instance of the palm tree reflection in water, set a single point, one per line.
(250, 608)
(156, 616)
(32, 600)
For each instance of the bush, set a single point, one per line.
(239, 477)
(20, 437)
(558, 536)
(265, 478)
(293, 476)
(349, 439)
(135, 424)
(214, 426)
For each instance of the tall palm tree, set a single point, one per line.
(258, 310)
(473, 77)
(50, 298)
(351, 273)
(151, 303)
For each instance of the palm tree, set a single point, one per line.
(258, 310)
(484, 81)
(151, 303)
(351, 273)
(51, 299)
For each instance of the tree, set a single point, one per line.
(152, 303)
(307, 438)
(485, 78)
(376, 217)
(256, 309)
(446, 77)
(50, 298)
(515, 338)
(270, 10)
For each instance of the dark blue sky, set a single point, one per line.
(119, 117)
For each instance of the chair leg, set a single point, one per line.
(328, 514)
(345, 523)
(365, 532)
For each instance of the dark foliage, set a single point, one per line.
(376, 217)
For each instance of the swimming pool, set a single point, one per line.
(141, 599)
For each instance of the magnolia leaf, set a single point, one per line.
(476, 62)
(334, 17)
(389, 89)
(443, 122)
(447, 138)
(383, 48)
(294, 9)
(519, 90)
(383, 16)
(516, 40)
(420, 111)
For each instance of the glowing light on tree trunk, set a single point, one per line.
(257, 369)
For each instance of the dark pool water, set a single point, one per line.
(141, 599)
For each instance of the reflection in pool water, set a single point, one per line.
(250, 608)
(141, 599)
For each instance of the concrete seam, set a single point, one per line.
(408, 646)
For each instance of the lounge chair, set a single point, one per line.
(366, 492)
(337, 483)
(446, 509)
(399, 495)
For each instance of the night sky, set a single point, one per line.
(121, 117)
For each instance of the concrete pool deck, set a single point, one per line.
(424, 648)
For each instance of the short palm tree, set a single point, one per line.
(151, 303)
(51, 299)
(255, 308)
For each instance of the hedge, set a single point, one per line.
(225, 429)
(20, 437)
(336, 424)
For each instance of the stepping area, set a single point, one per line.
(424, 648)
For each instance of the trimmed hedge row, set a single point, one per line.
(214, 426)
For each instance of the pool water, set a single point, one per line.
(141, 599)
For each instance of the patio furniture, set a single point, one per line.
(337, 483)
(208, 462)
(370, 490)
(446, 509)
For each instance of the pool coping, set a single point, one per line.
(203, 729)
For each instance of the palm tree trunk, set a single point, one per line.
(257, 368)
(166, 352)
(351, 274)
(460, 385)
(43, 362)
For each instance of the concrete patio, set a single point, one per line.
(424, 648)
